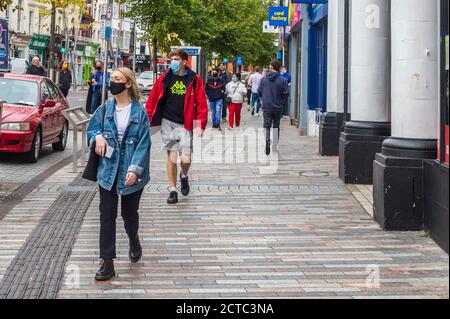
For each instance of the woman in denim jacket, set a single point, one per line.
(121, 130)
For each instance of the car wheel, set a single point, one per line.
(33, 155)
(61, 144)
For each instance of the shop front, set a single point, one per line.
(317, 65)
(38, 47)
(436, 172)
(89, 54)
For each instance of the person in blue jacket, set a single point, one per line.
(273, 91)
(121, 131)
(94, 99)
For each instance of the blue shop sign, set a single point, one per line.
(4, 45)
(279, 16)
(192, 52)
(309, 1)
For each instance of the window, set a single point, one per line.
(45, 92)
(31, 22)
(53, 91)
(18, 92)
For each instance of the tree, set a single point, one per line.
(54, 6)
(4, 4)
(227, 27)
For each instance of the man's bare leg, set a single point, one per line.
(172, 168)
(185, 166)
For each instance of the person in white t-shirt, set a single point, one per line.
(255, 81)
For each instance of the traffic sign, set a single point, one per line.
(240, 60)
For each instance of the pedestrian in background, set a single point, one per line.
(273, 92)
(284, 73)
(96, 87)
(226, 77)
(36, 68)
(215, 91)
(121, 131)
(236, 92)
(65, 78)
(177, 103)
(255, 81)
(249, 88)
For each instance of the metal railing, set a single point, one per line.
(79, 120)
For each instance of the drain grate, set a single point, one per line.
(315, 173)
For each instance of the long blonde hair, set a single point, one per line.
(133, 91)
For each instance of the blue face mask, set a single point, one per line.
(175, 65)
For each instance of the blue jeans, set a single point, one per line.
(96, 100)
(216, 109)
(256, 99)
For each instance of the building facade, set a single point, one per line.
(380, 74)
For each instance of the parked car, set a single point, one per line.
(145, 82)
(31, 116)
(18, 66)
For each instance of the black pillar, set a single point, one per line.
(358, 145)
(331, 126)
(398, 183)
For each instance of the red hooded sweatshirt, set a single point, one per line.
(195, 104)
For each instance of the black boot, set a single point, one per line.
(106, 270)
(268, 147)
(173, 198)
(135, 251)
(185, 189)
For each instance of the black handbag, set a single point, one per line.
(91, 169)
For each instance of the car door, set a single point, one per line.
(46, 117)
(57, 117)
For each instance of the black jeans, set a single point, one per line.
(272, 118)
(109, 201)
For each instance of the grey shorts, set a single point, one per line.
(176, 138)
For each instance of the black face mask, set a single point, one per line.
(99, 68)
(116, 88)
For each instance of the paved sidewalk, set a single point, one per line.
(297, 234)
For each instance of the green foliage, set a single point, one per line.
(4, 4)
(227, 27)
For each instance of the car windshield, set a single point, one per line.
(18, 92)
(146, 76)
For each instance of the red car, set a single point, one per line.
(31, 116)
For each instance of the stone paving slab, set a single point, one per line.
(241, 234)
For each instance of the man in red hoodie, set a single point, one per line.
(177, 102)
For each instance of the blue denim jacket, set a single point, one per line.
(132, 155)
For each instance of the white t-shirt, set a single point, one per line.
(122, 118)
(255, 80)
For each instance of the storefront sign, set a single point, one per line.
(39, 42)
(4, 45)
(279, 16)
(267, 28)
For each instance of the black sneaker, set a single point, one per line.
(135, 251)
(173, 198)
(268, 148)
(253, 111)
(106, 270)
(185, 189)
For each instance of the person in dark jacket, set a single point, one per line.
(226, 76)
(36, 67)
(215, 90)
(273, 91)
(65, 78)
(94, 99)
